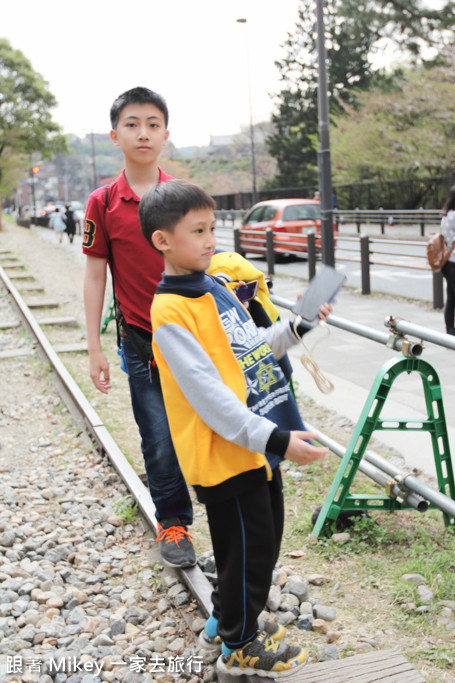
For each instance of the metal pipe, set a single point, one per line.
(397, 324)
(404, 327)
(348, 326)
(409, 481)
(373, 471)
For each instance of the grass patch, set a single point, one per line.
(126, 508)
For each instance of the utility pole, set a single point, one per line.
(325, 175)
(252, 143)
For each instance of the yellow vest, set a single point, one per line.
(205, 458)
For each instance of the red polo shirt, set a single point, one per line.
(137, 266)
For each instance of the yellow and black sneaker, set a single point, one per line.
(275, 630)
(265, 657)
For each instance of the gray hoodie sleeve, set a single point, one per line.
(279, 337)
(204, 389)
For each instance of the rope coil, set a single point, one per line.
(308, 361)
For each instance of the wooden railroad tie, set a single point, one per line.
(373, 667)
(21, 276)
(43, 304)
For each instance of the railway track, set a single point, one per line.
(83, 412)
(66, 338)
(18, 346)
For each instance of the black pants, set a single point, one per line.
(246, 536)
(449, 311)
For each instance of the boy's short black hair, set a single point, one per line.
(138, 95)
(165, 204)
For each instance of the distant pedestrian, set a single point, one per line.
(57, 223)
(70, 223)
(448, 271)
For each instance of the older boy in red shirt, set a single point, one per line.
(139, 120)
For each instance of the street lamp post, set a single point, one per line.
(253, 149)
(325, 176)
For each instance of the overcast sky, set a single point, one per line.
(193, 52)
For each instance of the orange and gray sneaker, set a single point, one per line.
(275, 630)
(265, 657)
(176, 546)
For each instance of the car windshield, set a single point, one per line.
(261, 213)
(302, 212)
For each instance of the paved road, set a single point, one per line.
(393, 276)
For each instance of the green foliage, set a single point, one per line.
(355, 34)
(400, 134)
(434, 561)
(126, 508)
(441, 655)
(26, 125)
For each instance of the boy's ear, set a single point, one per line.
(114, 138)
(160, 240)
(166, 138)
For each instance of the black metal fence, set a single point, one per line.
(409, 193)
(364, 250)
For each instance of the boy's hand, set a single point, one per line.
(300, 451)
(324, 311)
(99, 371)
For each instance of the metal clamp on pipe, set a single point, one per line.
(403, 493)
(402, 326)
(410, 349)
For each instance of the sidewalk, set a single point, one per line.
(352, 362)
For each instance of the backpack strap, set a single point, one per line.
(142, 345)
(111, 264)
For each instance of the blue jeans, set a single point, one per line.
(167, 486)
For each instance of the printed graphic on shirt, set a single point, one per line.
(266, 376)
(266, 384)
(89, 233)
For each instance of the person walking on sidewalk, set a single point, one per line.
(139, 120)
(70, 223)
(448, 271)
(57, 223)
(225, 392)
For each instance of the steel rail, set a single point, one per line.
(82, 411)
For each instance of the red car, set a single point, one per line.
(290, 219)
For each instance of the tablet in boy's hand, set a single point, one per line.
(322, 289)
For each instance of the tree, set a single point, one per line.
(355, 33)
(26, 125)
(401, 134)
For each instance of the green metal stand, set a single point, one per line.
(339, 498)
(109, 314)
